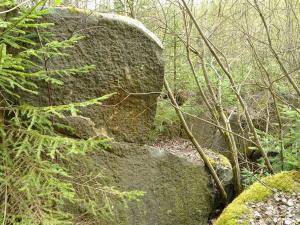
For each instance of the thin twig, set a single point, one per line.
(17, 6)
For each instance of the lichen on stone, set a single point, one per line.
(73, 9)
(237, 213)
(218, 159)
(222, 166)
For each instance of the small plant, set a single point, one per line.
(249, 177)
(291, 141)
(285, 156)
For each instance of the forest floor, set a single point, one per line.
(179, 146)
(280, 209)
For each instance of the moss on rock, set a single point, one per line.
(237, 213)
(222, 166)
(73, 9)
(218, 160)
(176, 191)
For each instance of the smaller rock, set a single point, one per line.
(256, 215)
(290, 202)
(269, 221)
(269, 213)
(288, 221)
(81, 127)
(277, 197)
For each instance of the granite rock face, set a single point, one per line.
(177, 191)
(128, 61)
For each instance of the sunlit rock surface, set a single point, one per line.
(128, 61)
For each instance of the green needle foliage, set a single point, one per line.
(36, 184)
(284, 153)
(286, 157)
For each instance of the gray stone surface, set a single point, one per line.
(128, 59)
(177, 191)
(210, 137)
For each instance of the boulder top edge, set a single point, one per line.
(72, 12)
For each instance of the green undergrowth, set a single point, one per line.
(237, 213)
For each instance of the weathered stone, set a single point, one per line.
(128, 61)
(222, 167)
(205, 133)
(210, 136)
(80, 127)
(177, 191)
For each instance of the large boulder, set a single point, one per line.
(178, 191)
(205, 133)
(128, 61)
(210, 136)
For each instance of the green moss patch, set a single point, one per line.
(218, 160)
(237, 213)
(76, 10)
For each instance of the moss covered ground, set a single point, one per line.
(237, 213)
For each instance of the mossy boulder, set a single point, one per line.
(128, 61)
(210, 136)
(237, 213)
(222, 166)
(177, 191)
